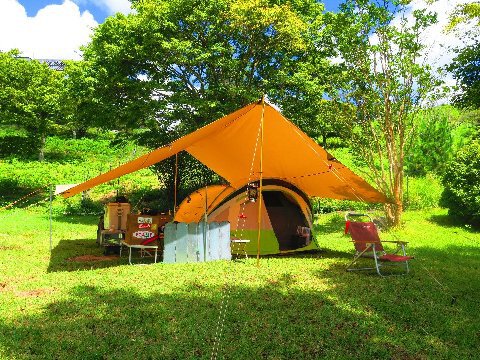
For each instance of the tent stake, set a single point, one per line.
(261, 183)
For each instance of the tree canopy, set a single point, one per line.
(29, 95)
(196, 60)
(465, 67)
(172, 66)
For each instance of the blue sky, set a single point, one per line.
(56, 29)
(100, 9)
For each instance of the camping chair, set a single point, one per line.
(367, 244)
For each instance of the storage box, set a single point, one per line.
(143, 227)
(116, 216)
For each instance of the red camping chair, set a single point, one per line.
(367, 244)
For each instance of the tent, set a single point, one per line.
(284, 210)
(253, 144)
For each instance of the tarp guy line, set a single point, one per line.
(330, 166)
(225, 294)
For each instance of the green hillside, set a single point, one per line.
(69, 161)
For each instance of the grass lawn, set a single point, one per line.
(299, 307)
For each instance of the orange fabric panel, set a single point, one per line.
(192, 207)
(230, 146)
(288, 154)
(161, 153)
(242, 214)
(339, 183)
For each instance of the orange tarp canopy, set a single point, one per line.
(230, 146)
(200, 201)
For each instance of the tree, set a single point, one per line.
(301, 90)
(383, 84)
(172, 66)
(463, 13)
(79, 103)
(434, 142)
(319, 118)
(465, 67)
(29, 96)
(461, 180)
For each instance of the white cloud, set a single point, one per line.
(439, 43)
(110, 6)
(55, 32)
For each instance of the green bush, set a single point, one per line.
(462, 185)
(25, 147)
(433, 142)
(423, 192)
(325, 206)
(84, 206)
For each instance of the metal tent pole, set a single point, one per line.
(205, 230)
(260, 188)
(175, 186)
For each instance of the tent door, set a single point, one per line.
(285, 216)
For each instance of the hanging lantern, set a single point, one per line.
(252, 192)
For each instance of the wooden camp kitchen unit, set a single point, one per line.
(116, 216)
(145, 233)
(112, 226)
(144, 227)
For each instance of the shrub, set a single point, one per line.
(83, 206)
(325, 206)
(25, 147)
(423, 192)
(433, 141)
(462, 185)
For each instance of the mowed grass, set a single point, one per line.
(291, 307)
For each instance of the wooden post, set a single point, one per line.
(260, 188)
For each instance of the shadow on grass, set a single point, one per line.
(275, 321)
(457, 264)
(451, 221)
(336, 254)
(430, 313)
(454, 274)
(68, 249)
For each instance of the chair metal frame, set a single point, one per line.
(374, 249)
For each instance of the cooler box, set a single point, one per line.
(116, 216)
(143, 227)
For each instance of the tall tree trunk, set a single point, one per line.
(41, 153)
(393, 214)
(324, 140)
(394, 211)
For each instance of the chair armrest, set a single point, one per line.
(366, 241)
(395, 241)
